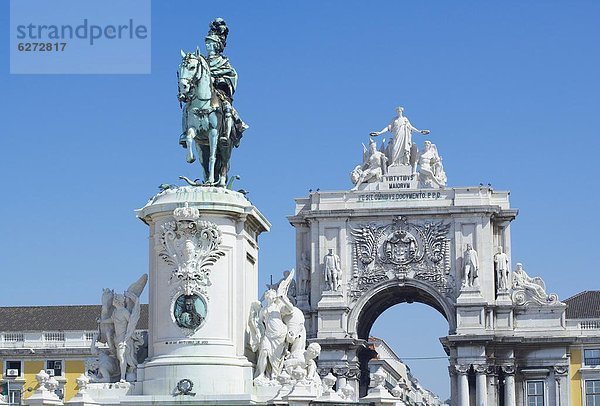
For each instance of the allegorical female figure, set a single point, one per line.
(276, 331)
(400, 147)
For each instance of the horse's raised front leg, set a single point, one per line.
(190, 134)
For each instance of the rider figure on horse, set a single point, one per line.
(224, 81)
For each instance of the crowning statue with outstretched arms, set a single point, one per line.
(400, 147)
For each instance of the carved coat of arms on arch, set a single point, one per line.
(401, 250)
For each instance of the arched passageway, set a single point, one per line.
(371, 306)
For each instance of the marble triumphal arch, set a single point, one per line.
(362, 251)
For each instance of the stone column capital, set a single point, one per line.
(561, 369)
(508, 369)
(492, 370)
(480, 369)
(462, 369)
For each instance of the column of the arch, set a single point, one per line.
(453, 384)
(481, 384)
(492, 382)
(463, 385)
(561, 375)
(509, 385)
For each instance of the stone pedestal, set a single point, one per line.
(380, 396)
(220, 284)
(301, 395)
(332, 311)
(43, 397)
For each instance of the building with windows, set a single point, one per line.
(58, 339)
(583, 318)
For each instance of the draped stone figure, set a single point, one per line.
(470, 267)
(530, 290)
(501, 265)
(400, 147)
(277, 333)
(119, 317)
(373, 167)
(431, 171)
(333, 271)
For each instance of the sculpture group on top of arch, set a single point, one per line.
(400, 157)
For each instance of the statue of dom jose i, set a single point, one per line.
(206, 84)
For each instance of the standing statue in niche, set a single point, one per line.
(277, 333)
(400, 150)
(470, 267)
(333, 271)
(501, 266)
(210, 122)
(304, 279)
(373, 167)
(118, 321)
(431, 171)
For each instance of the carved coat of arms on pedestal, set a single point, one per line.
(401, 250)
(191, 247)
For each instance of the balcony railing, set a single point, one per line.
(47, 339)
(589, 324)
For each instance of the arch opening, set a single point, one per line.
(391, 294)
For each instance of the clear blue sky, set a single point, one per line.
(509, 90)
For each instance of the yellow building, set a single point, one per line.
(583, 319)
(57, 339)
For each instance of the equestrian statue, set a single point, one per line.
(206, 85)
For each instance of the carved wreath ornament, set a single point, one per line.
(401, 250)
(191, 246)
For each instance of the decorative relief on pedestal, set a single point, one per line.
(191, 246)
(401, 250)
(189, 311)
(527, 290)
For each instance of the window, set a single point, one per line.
(591, 358)
(14, 397)
(13, 368)
(535, 393)
(55, 366)
(592, 393)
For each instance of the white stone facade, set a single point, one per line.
(408, 245)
